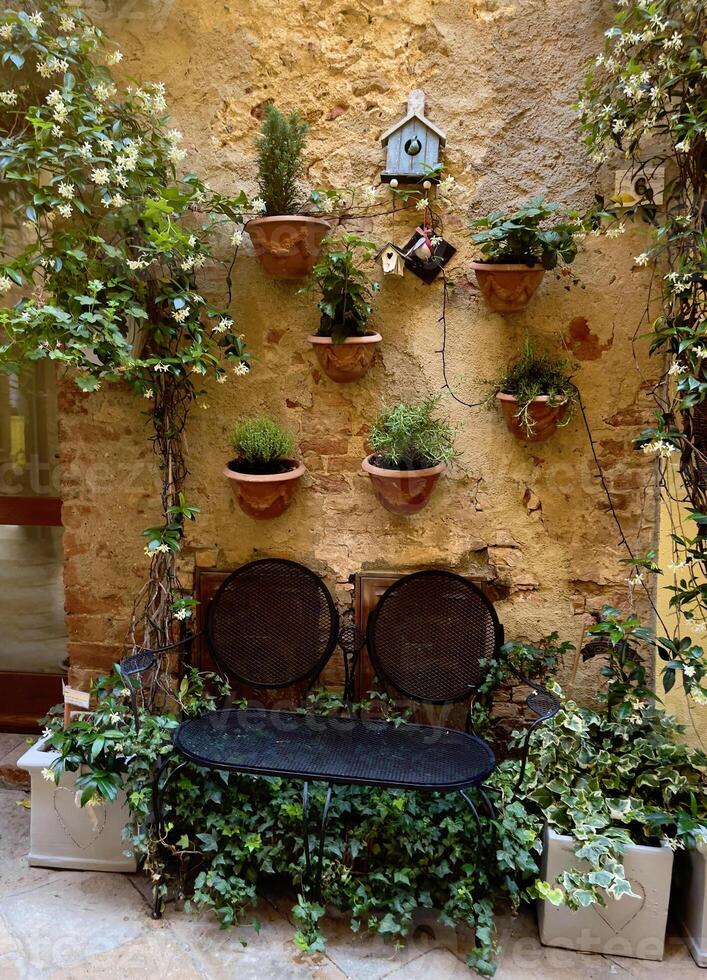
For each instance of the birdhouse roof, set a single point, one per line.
(385, 249)
(416, 106)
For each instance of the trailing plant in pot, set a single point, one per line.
(518, 247)
(619, 781)
(344, 345)
(104, 249)
(263, 476)
(411, 448)
(286, 241)
(536, 394)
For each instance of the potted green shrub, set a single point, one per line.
(535, 394)
(263, 475)
(410, 449)
(518, 247)
(344, 345)
(286, 241)
(619, 790)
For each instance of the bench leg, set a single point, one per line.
(322, 835)
(474, 811)
(490, 808)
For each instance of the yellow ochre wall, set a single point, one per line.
(500, 78)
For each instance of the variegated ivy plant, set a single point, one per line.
(101, 249)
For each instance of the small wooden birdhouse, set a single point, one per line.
(412, 145)
(391, 260)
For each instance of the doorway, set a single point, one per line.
(33, 643)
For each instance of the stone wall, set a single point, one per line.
(500, 79)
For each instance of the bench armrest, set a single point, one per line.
(140, 661)
(351, 641)
(544, 705)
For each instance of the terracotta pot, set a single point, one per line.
(545, 417)
(287, 245)
(402, 491)
(507, 288)
(264, 495)
(347, 361)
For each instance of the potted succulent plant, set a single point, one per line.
(263, 476)
(517, 248)
(411, 448)
(286, 241)
(535, 394)
(619, 790)
(344, 345)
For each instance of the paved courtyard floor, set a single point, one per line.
(66, 924)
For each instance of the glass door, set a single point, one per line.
(33, 635)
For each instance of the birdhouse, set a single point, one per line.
(412, 145)
(391, 260)
(426, 254)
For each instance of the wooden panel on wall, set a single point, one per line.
(31, 511)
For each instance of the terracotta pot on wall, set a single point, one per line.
(545, 417)
(265, 495)
(402, 491)
(287, 245)
(507, 288)
(347, 361)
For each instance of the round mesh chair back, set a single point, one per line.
(272, 623)
(428, 634)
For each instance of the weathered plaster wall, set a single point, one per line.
(500, 78)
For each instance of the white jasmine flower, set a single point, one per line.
(44, 69)
(368, 196)
(683, 146)
(422, 204)
(58, 66)
(6, 32)
(57, 131)
(67, 190)
(161, 367)
(67, 24)
(435, 241)
(675, 566)
(114, 718)
(105, 144)
(187, 264)
(176, 154)
(635, 580)
(36, 18)
(8, 97)
(149, 393)
(192, 241)
(115, 57)
(241, 369)
(618, 125)
(237, 238)
(64, 210)
(224, 324)
(258, 205)
(446, 184)
(5, 284)
(86, 150)
(46, 732)
(660, 447)
(699, 351)
(697, 696)
(689, 671)
(677, 367)
(100, 175)
(642, 259)
(107, 201)
(174, 136)
(181, 613)
(120, 179)
(673, 43)
(222, 379)
(48, 775)
(118, 201)
(616, 230)
(104, 92)
(199, 260)
(136, 264)
(180, 315)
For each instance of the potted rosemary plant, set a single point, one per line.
(263, 476)
(411, 448)
(518, 247)
(535, 394)
(286, 241)
(344, 345)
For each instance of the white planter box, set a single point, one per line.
(625, 926)
(65, 835)
(692, 903)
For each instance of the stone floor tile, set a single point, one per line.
(156, 956)
(437, 964)
(61, 923)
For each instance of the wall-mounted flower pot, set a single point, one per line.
(545, 417)
(402, 491)
(507, 288)
(66, 835)
(691, 892)
(347, 361)
(287, 245)
(625, 926)
(265, 495)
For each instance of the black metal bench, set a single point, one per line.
(273, 624)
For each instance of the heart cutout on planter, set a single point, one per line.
(82, 825)
(619, 913)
